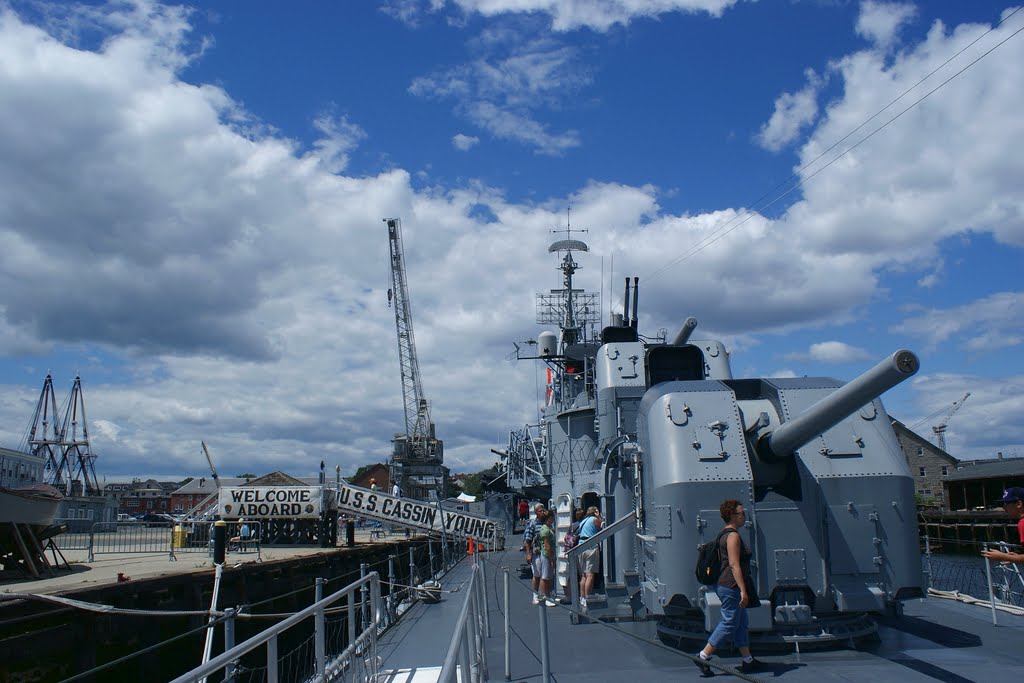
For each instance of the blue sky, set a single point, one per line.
(192, 198)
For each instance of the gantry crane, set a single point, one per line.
(418, 453)
(69, 461)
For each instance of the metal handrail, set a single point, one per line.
(572, 590)
(363, 643)
(467, 648)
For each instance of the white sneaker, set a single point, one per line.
(583, 604)
(550, 603)
(536, 599)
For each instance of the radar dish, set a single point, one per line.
(568, 245)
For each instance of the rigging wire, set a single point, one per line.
(747, 214)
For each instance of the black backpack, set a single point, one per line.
(709, 560)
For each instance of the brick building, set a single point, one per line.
(929, 466)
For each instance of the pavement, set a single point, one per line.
(81, 574)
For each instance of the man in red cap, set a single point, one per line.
(1013, 503)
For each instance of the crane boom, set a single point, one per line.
(417, 411)
(940, 428)
(416, 464)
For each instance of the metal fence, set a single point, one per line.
(343, 644)
(975, 577)
(466, 660)
(159, 537)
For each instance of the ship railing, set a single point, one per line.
(466, 659)
(359, 603)
(572, 591)
(976, 579)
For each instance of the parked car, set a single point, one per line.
(154, 519)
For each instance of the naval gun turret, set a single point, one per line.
(829, 498)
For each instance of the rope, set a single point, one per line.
(971, 600)
(103, 609)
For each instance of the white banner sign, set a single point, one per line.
(270, 502)
(416, 514)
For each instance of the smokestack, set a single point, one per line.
(636, 292)
(625, 304)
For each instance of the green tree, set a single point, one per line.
(246, 476)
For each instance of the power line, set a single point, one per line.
(747, 214)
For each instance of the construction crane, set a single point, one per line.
(939, 429)
(418, 453)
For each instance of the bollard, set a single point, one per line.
(350, 533)
(220, 538)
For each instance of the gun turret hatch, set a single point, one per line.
(837, 406)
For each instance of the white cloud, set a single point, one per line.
(994, 322)
(599, 15)
(464, 142)
(832, 352)
(339, 138)
(236, 285)
(793, 112)
(880, 22)
(506, 87)
(988, 422)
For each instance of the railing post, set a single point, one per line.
(229, 641)
(363, 621)
(988, 576)
(320, 630)
(391, 606)
(483, 591)
(92, 539)
(545, 657)
(928, 558)
(430, 552)
(272, 660)
(352, 628)
(412, 567)
(508, 650)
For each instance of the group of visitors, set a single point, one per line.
(539, 546)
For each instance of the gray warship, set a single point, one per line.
(657, 432)
(660, 430)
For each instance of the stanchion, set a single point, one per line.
(508, 649)
(545, 658)
(991, 594)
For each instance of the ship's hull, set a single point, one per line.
(35, 505)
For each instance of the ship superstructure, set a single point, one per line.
(656, 433)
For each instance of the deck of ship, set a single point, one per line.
(935, 640)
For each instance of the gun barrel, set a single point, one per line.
(837, 406)
(683, 335)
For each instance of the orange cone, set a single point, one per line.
(471, 547)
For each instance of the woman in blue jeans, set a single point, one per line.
(732, 591)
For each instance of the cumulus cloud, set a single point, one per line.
(793, 113)
(338, 138)
(599, 15)
(508, 84)
(880, 22)
(832, 352)
(232, 285)
(464, 142)
(994, 322)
